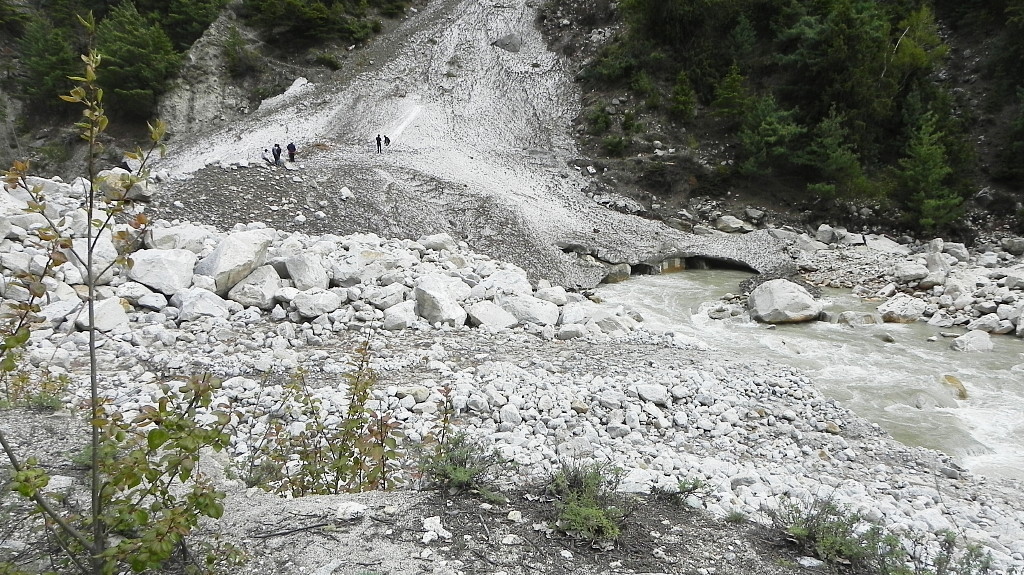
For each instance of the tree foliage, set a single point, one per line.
(302, 22)
(922, 179)
(138, 60)
(47, 62)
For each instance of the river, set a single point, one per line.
(890, 374)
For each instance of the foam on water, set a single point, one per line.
(898, 384)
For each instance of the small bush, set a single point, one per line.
(240, 58)
(35, 391)
(598, 121)
(460, 464)
(588, 506)
(327, 60)
(841, 537)
(615, 145)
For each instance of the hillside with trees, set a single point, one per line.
(836, 101)
(910, 107)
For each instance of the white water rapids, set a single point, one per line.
(898, 385)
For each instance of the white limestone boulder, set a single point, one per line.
(383, 297)
(508, 281)
(906, 272)
(197, 303)
(109, 314)
(316, 302)
(438, 242)
(555, 294)
(782, 301)
(166, 271)
(488, 314)
(528, 309)
(972, 341)
(902, 308)
(307, 271)
(987, 323)
(435, 301)
(235, 257)
(184, 237)
(400, 316)
(103, 256)
(257, 289)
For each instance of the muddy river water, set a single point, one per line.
(891, 374)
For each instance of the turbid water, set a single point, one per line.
(891, 374)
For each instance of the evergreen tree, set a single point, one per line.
(767, 137)
(138, 60)
(48, 60)
(731, 99)
(11, 19)
(835, 160)
(921, 178)
(684, 99)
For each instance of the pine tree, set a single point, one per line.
(731, 99)
(47, 61)
(921, 178)
(834, 158)
(138, 60)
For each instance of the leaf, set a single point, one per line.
(157, 437)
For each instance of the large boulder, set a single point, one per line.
(907, 272)
(488, 314)
(782, 301)
(316, 302)
(196, 303)
(902, 308)
(235, 257)
(103, 256)
(974, 340)
(184, 237)
(528, 309)
(384, 297)
(108, 313)
(257, 289)
(307, 271)
(508, 281)
(166, 271)
(435, 301)
(400, 316)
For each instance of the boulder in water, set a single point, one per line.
(782, 301)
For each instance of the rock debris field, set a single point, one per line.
(454, 251)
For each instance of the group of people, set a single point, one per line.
(273, 156)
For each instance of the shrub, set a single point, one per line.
(327, 60)
(683, 103)
(598, 121)
(359, 453)
(460, 464)
(34, 391)
(588, 506)
(241, 60)
(615, 145)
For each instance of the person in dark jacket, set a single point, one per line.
(277, 154)
(387, 140)
(291, 151)
(378, 143)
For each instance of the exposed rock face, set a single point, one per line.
(782, 301)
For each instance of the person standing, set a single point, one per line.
(277, 154)
(378, 143)
(291, 151)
